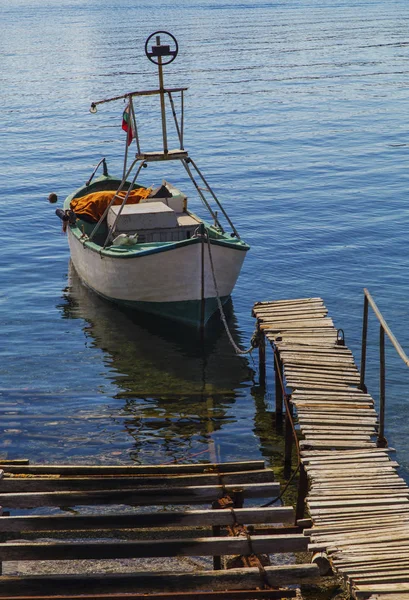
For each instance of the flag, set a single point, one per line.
(127, 124)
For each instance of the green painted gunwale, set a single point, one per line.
(145, 249)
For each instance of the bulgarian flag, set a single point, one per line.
(127, 124)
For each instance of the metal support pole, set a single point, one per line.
(261, 356)
(302, 494)
(381, 442)
(362, 385)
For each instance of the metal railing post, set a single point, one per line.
(381, 443)
(362, 385)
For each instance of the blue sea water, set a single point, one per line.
(297, 114)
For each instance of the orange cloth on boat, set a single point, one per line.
(94, 205)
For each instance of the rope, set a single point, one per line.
(254, 340)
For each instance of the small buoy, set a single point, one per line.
(52, 198)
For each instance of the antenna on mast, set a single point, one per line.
(156, 55)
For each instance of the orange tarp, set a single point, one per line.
(93, 205)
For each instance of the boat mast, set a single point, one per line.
(162, 96)
(161, 54)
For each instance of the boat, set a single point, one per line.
(143, 247)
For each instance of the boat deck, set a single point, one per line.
(358, 503)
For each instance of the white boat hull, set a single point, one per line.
(166, 281)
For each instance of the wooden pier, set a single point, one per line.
(131, 513)
(358, 504)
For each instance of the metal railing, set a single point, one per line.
(383, 328)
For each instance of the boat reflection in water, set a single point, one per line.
(177, 390)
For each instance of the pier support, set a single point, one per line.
(289, 435)
(261, 356)
(279, 391)
(302, 493)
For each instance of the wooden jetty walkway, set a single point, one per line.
(145, 512)
(358, 504)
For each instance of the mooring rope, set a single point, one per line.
(254, 339)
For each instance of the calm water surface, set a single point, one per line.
(297, 114)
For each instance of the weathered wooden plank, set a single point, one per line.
(304, 367)
(38, 484)
(331, 410)
(359, 502)
(326, 445)
(361, 405)
(193, 518)
(349, 510)
(375, 454)
(352, 393)
(172, 469)
(292, 347)
(249, 594)
(322, 386)
(352, 473)
(137, 497)
(316, 325)
(322, 418)
(351, 538)
(350, 467)
(362, 592)
(146, 581)
(211, 546)
(271, 316)
(308, 454)
(385, 578)
(288, 302)
(317, 377)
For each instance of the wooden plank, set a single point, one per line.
(328, 445)
(351, 503)
(319, 454)
(278, 514)
(293, 358)
(288, 302)
(302, 367)
(389, 578)
(352, 393)
(363, 591)
(272, 316)
(351, 467)
(346, 457)
(38, 484)
(257, 594)
(360, 510)
(137, 497)
(303, 349)
(172, 469)
(313, 325)
(146, 581)
(211, 546)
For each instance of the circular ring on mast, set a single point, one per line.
(161, 50)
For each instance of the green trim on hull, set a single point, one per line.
(188, 312)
